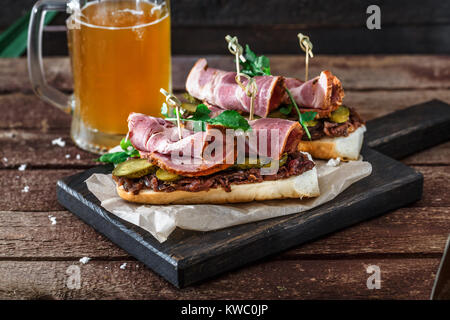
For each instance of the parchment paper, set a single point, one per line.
(161, 220)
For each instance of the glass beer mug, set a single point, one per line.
(120, 58)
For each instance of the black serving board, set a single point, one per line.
(188, 257)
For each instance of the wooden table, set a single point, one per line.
(406, 244)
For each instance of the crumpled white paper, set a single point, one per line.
(161, 220)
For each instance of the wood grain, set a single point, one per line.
(42, 185)
(412, 231)
(407, 26)
(42, 189)
(36, 149)
(292, 279)
(356, 72)
(35, 254)
(41, 116)
(191, 257)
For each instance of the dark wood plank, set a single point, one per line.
(282, 39)
(407, 30)
(408, 131)
(42, 185)
(36, 149)
(32, 235)
(435, 178)
(356, 72)
(439, 155)
(304, 279)
(46, 118)
(14, 75)
(192, 258)
(406, 232)
(42, 189)
(310, 13)
(274, 12)
(27, 111)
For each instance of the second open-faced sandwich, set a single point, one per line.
(215, 165)
(334, 130)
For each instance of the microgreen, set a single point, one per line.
(255, 65)
(117, 157)
(229, 119)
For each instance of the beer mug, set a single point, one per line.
(120, 58)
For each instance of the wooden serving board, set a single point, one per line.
(188, 257)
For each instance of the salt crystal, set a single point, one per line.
(123, 266)
(334, 162)
(26, 189)
(78, 157)
(67, 156)
(85, 260)
(22, 167)
(52, 219)
(5, 159)
(59, 142)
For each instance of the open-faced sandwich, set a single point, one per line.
(332, 129)
(215, 165)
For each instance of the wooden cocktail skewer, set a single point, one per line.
(251, 88)
(173, 101)
(306, 46)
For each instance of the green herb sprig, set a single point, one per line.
(255, 65)
(229, 119)
(117, 157)
(260, 66)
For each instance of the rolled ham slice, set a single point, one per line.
(157, 140)
(322, 94)
(219, 88)
(280, 136)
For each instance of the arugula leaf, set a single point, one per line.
(255, 65)
(231, 119)
(201, 113)
(308, 116)
(200, 116)
(117, 157)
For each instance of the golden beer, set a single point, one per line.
(120, 55)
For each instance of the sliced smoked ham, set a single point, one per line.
(157, 140)
(280, 135)
(322, 94)
(219, 88)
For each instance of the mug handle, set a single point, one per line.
(35, 65)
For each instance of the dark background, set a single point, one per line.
(271, 26)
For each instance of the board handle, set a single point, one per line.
(409, 130)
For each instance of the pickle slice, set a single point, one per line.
(134, 168)
(164, 175)
(340, 115)
(260, 163)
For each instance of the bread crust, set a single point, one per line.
(346, 148)
(302, 186)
